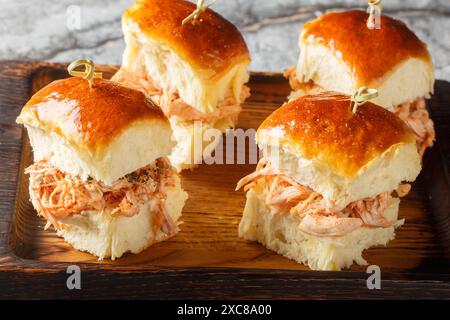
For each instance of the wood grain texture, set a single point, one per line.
(207, 259)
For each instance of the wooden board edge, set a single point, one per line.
(214, 284)
(435, 177)
(15, 80)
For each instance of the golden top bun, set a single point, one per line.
(324, 128)
(89, 118)
(368, 53)
(210, 43)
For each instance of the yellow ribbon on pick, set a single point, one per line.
(361, 96)
(374, 5)
(201, 7)
(88, 73)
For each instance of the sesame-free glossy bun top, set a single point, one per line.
(210, 43)
(88, 118)
(368, 53)
(323, 127)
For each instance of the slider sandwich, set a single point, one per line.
(194, 69)
(101, 176)
(329, 182)
(340, 52)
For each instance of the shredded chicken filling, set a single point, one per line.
(56, 195)
(307, 87)
(172, 105)
(413, 113)
(284, 195)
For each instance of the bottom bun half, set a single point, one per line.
(107, 236)
(281, 234)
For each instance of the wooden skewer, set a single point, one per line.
(361, 96)
(88, 73)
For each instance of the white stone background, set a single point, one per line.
(37, 29)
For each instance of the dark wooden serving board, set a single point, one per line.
(207, 259)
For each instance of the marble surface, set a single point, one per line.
(46, 29)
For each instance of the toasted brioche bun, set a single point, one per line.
(202, 61)
(281, 234)
(211, 43)
(108, 236)
(103, 132)
(343, 156)
(339, 53)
